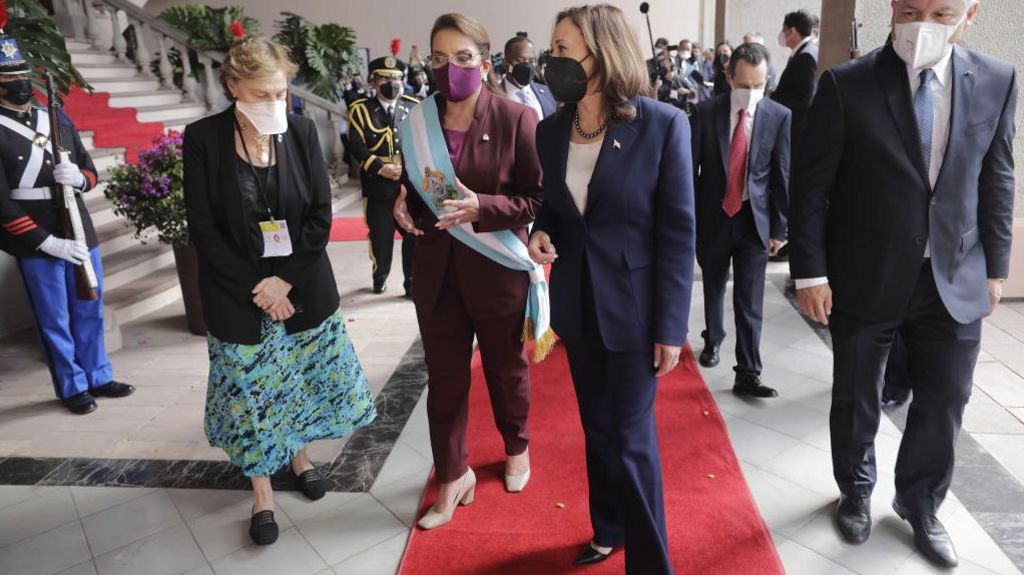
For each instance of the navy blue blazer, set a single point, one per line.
(637, 237)
(547, 101)
(863, 208)
(767, 166)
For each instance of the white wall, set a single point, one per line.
(747, 16)
(376, 23)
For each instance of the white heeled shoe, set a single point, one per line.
(433, 518)
(516, 483)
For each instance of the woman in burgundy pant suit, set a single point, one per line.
(458, 292)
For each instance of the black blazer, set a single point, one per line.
(796, 85)
(229, 267)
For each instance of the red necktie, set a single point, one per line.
(733, 200)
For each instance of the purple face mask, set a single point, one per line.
(456, 83)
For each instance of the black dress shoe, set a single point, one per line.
(893, 396)
(709, 356)
(930, 537)
(750, 385)
(113, 389)
(311, 482)
(853, 518)
(80, 404)
(263, 528)
(589, 556)
(380, 288)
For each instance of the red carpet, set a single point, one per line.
(713, 524)
(350, 230)
(112, 127)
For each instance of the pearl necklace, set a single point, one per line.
(588, 135)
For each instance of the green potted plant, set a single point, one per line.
(207, 29)
(150, 196)
(41, 44)
(323, 53)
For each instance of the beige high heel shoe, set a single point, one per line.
(516, 483)
(467, 490)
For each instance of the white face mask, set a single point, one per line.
(922, 44)
(782, 39)
(266, 117)
(746, 98)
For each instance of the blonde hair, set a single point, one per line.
(620, 67)
(255, 57)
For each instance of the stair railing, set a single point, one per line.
(83, 20)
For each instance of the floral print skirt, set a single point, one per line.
(265, 402)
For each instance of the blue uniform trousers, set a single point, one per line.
(70, 329)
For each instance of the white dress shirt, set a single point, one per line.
(734, 118)
(579, 169)
(942, 100)
(525, 96)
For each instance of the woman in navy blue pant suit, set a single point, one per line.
(618, 225)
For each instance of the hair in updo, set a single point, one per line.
(255, 57)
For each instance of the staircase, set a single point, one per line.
(139, 278)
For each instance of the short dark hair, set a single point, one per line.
(661, 42)
(515, 41)
(751, 53)
(802, 21)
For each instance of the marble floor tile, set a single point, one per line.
(90, 500)
(195, 503)
(1001, 383)
(350, 529)
(46, 553)
(404, 461)
(889, 545)
(226, 530)
(382, 559)
(300, 509)
(754, 443)
(1007, 449)
(799, 560)
(164, 553)
(807, 466)
(128, 522)
(84, 568)
(402, 497)
(975, 545)
(785, 506)
(788, 418)
(14, 494)
(36, 515)
(289, 555)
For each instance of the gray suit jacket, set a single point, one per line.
(862, 208)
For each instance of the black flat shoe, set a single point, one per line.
(311, 482)
(930, 537)
(80, 404)
(853, 518)
(263, 528)
(751, 386)
(380, 288)
(709, 356)
(589, 556)
(113, 389)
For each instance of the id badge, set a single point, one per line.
(276, 241)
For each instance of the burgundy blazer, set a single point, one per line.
(499, 162)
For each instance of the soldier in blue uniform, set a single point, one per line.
(373, 140)
(70, 329)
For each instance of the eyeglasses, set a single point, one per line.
(462, 59)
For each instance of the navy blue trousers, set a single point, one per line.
(615, 392)
(70, 329)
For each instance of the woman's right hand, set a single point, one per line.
(401, 214)
(542, 251)
(281, 310)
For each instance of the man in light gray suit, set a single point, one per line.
(900, 221)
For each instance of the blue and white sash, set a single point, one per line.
(430, 169)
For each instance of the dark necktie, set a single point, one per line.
(924, 109)
(733, 200)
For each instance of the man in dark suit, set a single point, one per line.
(741, 166)
(518, 82)
(796, 85)
(375, 147)
(901, 217)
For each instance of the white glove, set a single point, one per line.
(68, 174)
(67, 250)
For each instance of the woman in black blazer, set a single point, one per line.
(283, 371)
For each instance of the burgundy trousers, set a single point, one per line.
(447, 334)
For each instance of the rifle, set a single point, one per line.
(855, 39)
(86, 283)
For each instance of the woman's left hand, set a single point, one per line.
(466, 210)
(666, 358)
(270, 292)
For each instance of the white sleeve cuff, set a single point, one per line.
(810, 282)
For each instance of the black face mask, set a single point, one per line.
(723, 59)
(17, 92)
(522, 73)
(389, 90)
(567, 79)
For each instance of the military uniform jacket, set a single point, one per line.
(373, 141)
(26, 165)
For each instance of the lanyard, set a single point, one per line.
(260, 184)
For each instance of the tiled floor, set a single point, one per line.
(783, 446)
